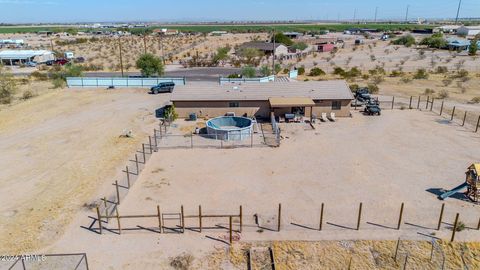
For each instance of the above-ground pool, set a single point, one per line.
(230, 128)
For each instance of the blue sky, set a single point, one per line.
(22, 11)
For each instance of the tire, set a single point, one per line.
(155, 92)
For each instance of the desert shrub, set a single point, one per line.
(365, 76)
(8, 87)
(406, 79)
(301, 70)
(460, 226)
(354, 87)
(447, 81)
(316, 72)
(396, 73)
(461, 74)
(150, 65)
(475, 100)
(234, 76)
(421, 74)
(352, 73)
(181, 262)
(58, 83)
(265, 70)
(27, 95)
(377, 79)
(407, 41)
(435, 41)
(442, 69)
(443, 94)
(428, 91)
(373, 88)
(300, 46)
(338, 71)
(249, 72)
(170, 113)
(472, 50)
(37, 75)
(286, 71)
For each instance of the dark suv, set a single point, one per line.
(163, 87)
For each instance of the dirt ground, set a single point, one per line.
(57, 150)
(402, 156)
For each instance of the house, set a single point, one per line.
(14, 57)
(266, 47)
(468, 30)
(261, 99)
(449, 29)
(166, 32)
(293, 35)
(325, 47)
(459, 44)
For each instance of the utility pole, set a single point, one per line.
(406, 14)
(458, 11)
(274, 51)
(376, 12)
(121, 60)
(354, 15)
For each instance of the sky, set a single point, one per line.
(71, 11)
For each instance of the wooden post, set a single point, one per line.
(99, 220)
(440, 217)
(230, 228)
(428, 101)
(128, 176)
(183, 219)
(405, 263)
(431, 250)
(279, 216)
(464, 118)
(453, 113)
(321, 218)
(478, 123)
(160, 126)
(359, 216)
(441, 107)
(105, 205)
(410, 104)
(478, 225)
(393, 101)
(400, 217)
(241, 218)
(136, 164)
(155, 139)
(191, 140)
(143, 152)
(150, 144)
(418, 104)
(396, 250)
(431, 107)
(350, 263)
(118, 193)
(200, 218)
(454, 227)
(159, 218)
(118, 221)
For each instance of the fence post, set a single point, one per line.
(440, 217)
(118, 221)
(431, 107)
(396, 249)
(155, 139)
(105, 205)
(441, 108)
(428, 101)
(200, 218)
(453, 113)
(418, 104)
(99, 220)
(464, 118)
(241, 218)
(454, 228)
(393, 101)
(405, 263)
(136, 163)
(478, 123)
(410, 104)
(118, 193)
(279, 216)
(230, 228)
(182, 219)
(150, 144)
(400, 217)
(143, 152)
(159, 219)
(359, 216)
(128, 176)
(321, 218)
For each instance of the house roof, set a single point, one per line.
(315, 90)
(22, 54)
(263, 46)
(280, 102)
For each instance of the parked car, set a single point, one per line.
(31, 64)
(61, 61)
(163, 87)
(372, 109)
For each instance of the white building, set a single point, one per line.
(15, 57)
(469, 30)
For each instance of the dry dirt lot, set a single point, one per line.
(402, 156)
(57, 150)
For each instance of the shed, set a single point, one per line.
(13, 57)
(325, 47)
(469, 30)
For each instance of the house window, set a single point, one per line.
(234, 104)
(336, 105)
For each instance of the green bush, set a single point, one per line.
(58, 83)
(442, 69)
(281, 38)
(150, 65)
(8, 87)
(421, 74)
(428, 91)
(396, 73)
(443, 94)
(27, 95)
(475, 100)
(300, 46)
(354, 87)
(316, 72)
(301, 70)
(249, 72)
(37, 75)
(170, 113)
(338, 71)
(407, 41)
(435, 41)
(373, 88)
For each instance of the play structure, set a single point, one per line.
(472, 183)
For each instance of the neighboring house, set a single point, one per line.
(325, 47)
(468, 30)
(14, 57)
(262, 99)
(459, 44)
(449, 29)
(166, 32)
(266, 47)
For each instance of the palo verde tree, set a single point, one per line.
(472, 50)
(281, 38)
(150, 65)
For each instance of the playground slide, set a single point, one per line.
(451, 192)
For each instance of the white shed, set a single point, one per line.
(469, 30)
(13, 57)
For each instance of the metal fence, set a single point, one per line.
(222, 80)
(121, 82)
(77, 261)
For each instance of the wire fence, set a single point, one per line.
(45, 262)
